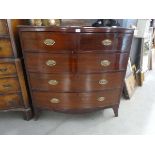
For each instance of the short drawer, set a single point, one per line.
(105, 41)
(10, 101)
(101, 62)
(76, 83)
(76, 100)
(9, 85)
(3, 27)
(5, 48)
(48, 63)
(47, 41)
(7, 68)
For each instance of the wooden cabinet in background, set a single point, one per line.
(75, 69)
(13, 91)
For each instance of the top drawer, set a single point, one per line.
(105, 41)
(47, 41)
(3, 27)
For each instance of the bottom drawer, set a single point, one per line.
(47, 100)
(10, 101)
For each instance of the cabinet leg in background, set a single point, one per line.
(37, 113)
(115, 109)
(28, 114)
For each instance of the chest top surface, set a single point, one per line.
(76, 29)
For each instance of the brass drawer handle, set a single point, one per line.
(3, 70)
(105, 63)
(49, 42)
(54, 100)
(50, 62)
(7, 86)
(53, 82)
(100, 99)
(106, 42)
(103, 82)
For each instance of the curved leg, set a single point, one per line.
(115, 109)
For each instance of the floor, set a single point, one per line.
(136, 116)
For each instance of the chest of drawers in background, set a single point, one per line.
(13, 93)
(75, 69)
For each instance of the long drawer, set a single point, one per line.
(5, 48)
(9, 85)
(10, 101)
(76, 83)
(75, 100)
(60, 63)
(56, 41)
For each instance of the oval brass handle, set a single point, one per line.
(105, 63)
(106, 42)
(7, 86)
(103, 82)
(53, 82)
(0, 48)
(3, 69)
(54, 100)
(49, 42)
(100, 99)
(50, 62)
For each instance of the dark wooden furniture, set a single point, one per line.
(75, 69)
(13, 93)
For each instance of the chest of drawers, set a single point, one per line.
(13, 93)
(75, 69)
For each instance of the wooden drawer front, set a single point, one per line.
(76, 83)
(101, 62)
(3, 27)
(7, 68)
(47, 41)
(5, 48)
(105, 41)
(48, 63)
(10, 101)
(9, 85)
(76, 100)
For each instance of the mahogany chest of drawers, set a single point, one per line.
(13, 93)
(75, 69)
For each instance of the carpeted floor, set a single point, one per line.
(136, 116)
